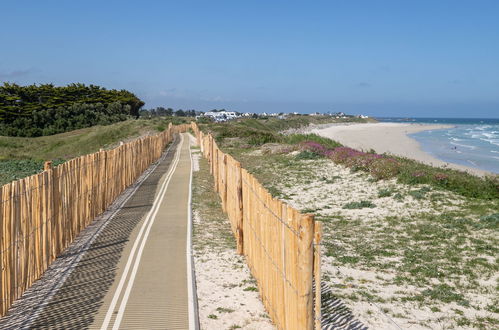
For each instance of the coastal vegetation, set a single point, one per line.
(403, 242)
(23, 156)
(252, 132)
(39, 110)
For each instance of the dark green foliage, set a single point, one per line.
(307, 154)
(489, 221)
(385, 193)
(54, 121)
(45, 109)
(11, 170)
(359, 205)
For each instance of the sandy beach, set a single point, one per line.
(390, 138)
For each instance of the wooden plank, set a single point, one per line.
(305, 269)
(317, 274)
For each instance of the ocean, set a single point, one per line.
(472, 142)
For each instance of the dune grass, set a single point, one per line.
(21, 156)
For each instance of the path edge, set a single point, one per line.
(191, 275)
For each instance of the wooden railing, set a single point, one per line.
(42, 214)
(281, 245)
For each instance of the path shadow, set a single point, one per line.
(77, 301)
(335, 315)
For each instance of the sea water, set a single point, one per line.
(471, 142)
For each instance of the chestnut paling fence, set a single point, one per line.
(282, 246)
(42, 214)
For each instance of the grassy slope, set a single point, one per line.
(20, 157)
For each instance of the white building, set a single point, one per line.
(221, 115)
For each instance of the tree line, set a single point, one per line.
(46, 109)
(168, 112)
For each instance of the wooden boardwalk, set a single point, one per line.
(130, 269)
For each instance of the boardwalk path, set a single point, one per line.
(130, 268)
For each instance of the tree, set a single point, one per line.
(46, 109)
(180, 113)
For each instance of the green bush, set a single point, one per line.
(307, 154)
(385, 193)
(359, 205)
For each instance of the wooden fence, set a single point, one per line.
(42, 214)
(282, 246)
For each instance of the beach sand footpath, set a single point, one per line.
(390, 138)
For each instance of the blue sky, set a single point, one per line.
(384, 58)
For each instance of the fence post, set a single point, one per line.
(317, 274)
(210, 156)
(216, 167)
(239, 209)
(223, 188)
(305, 269)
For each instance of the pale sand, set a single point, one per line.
(222, 281)
(390, 138)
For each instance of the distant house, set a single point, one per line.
(220, 116)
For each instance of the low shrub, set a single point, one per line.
(489, 221)
(385, 193)
(306, 154)
(359, 205)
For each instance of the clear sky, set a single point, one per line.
(385, 58)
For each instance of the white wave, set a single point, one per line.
(482, 128)
(489, 135)
(492, 141)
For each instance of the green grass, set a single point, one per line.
(299, 138)
(21, 157)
